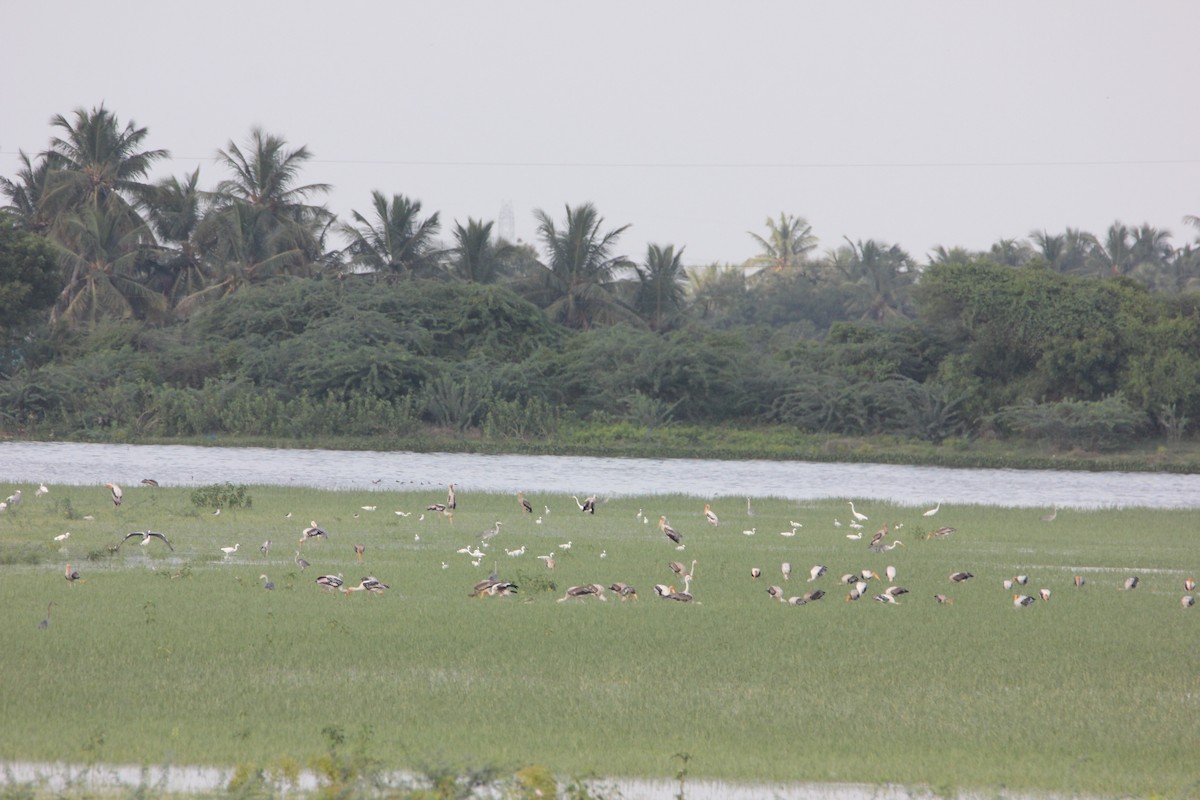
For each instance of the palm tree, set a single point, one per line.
(265, 177)
(1115, 256)
(952, 255)
(1049, 246)
(174, 210)
(395, 241)
(661, 281)
(883, 276)
(786, 247)
(94, 160)
(1010, 253)
(476, 257)
(577, 285)
(26, 192)
(100, 258)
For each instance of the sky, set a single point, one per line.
(919, 122)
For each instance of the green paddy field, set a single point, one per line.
(157, 656)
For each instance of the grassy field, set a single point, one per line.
(183, 657)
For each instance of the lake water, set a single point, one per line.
(178, 465)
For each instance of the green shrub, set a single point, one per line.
(221, 495)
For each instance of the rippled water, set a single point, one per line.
(70, 463)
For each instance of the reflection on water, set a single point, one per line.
(69, 463)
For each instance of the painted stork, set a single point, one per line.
(683, 572)
(1078, 581)
(1187, 601)
(959, 577)
(591, 589)
(313, 531)
(890, 572)
(330, 582)
(786, 569)
(14, 499)
(526, 506)
(117, 494)
(624, 591)
(358, 550)
(710, 515)
(670, 532)
(879, 534)
(150, 482)
(814, 595)
(1131, 582)
(755, 573)
(776, 592)
(71, 575)
(942, 599)
(41, 490)
(1189, 585)
(940, 532)
(817, 571)
(1044, 594)
(1020, 600)
(451, 500)
(146, 537)
(265, 548)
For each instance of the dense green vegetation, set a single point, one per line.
(138, 311)
(182, 656)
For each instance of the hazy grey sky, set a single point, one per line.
(921, 123)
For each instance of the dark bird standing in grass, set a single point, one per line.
(670, 532)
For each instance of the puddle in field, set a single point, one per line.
(186, 780)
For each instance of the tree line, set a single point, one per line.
(172, 308)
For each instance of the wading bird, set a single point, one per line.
(149, 482)
(749, 510)
(858, 516)
(942, 599)
(46, 622)
(817, 571)
(940, 532)
(269, 584)
(493, 587)
(1131, 582)
(1187, 601)
(884, 548)
(588, 506)
(1078, 581)
(885, 598)
(879, 534)
(890, 572)
(1022, 579)
(330, 582)
(548, 559)
(117, 494)
(313, 531)
(526, 506)
(228, 551)
(1044, 594)
(41, 490)
(933, 510)
(358, 550)
(490, 532)
(683, 597)
(520, 551)
(146, 537)
(451, 499)
(300, 562)
(580, 592)
(959, 577)
(1020, 600)
(854, 537)
(670, 532)
(62, 537)
(71, 575)
(814, 595)
(14, 499)
(755, 573)
(710, 515)
(776, 592)
(895, 591)
(1050, 517)
(1189, 585)
(678, 568)
(786, 569)
(265, 548)
(624, 591)
(750, 532)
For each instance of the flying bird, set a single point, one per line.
(117, 494)
(146, 537)
(670, 532)
(710, 515)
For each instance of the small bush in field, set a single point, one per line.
(221, 495)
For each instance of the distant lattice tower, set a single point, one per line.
(507, 224)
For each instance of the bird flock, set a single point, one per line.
(678, 575)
